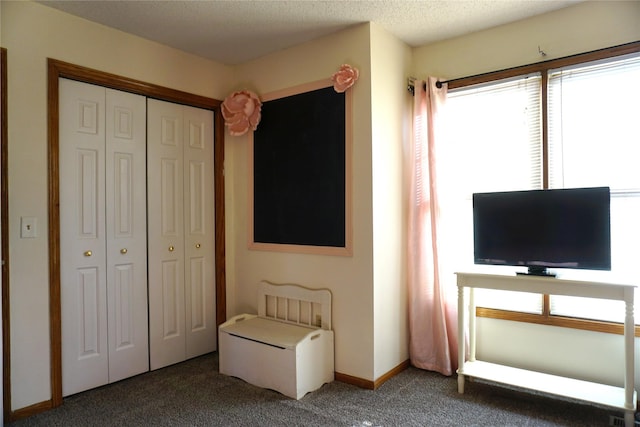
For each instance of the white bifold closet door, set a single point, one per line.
(103, 241)
(181, 232)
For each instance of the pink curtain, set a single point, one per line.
(432, 309)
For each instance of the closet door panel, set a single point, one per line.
(126, 217)
(88, 302)
(199, 232)
(195, 276)
(171, 198)
(181, 218)
(124, 327)
(166, 236)
(197, 294)
(172, 301)
(82, 237)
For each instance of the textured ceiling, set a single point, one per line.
(232, 32)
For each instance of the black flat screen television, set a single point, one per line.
(542, 229)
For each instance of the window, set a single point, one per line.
(496, 141)
(594, 140)
(501, 142)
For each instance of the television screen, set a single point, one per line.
(541, 229)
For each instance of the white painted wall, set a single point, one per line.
(587, 355)
(368, 288)
(350, 279)
(581, 28)
(369, 297)
(390, 112)
(31, 33)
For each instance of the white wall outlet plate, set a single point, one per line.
(28, 227)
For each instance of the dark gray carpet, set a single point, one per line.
(193, 393)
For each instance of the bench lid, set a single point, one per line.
(270, 332)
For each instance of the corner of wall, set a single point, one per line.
(390, 103)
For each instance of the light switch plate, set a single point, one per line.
(28, 227)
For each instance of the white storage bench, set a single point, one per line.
(287, 346)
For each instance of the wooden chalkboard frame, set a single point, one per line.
(347, 248)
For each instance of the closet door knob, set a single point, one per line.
(171, 248)
(123, 251)
(197, 245)
(88, 253)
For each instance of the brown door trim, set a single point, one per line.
(57, 69)
(4, 234)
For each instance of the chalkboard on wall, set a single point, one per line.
(300, 174)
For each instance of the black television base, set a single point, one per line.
(537, 271)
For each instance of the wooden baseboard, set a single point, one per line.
(368, 384)
(395, 371)
(356, 381)
(348, 379)
(30, 410)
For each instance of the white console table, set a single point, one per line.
(623, 398)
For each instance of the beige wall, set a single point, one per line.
(369, 300)
(390, 113)
(581, 28)
(350, 279)
(32, 33)
(368, 288)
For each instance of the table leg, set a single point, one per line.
(629, 362)
(460, 383)
(629, 419)
(461, 338)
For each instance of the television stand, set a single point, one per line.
(621, 398)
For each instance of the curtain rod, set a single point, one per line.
(439, 83)
(411, 84)
(619, 50)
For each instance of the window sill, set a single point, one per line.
(549, 320)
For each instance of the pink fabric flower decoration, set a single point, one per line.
(344, 78)
(241, 112)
